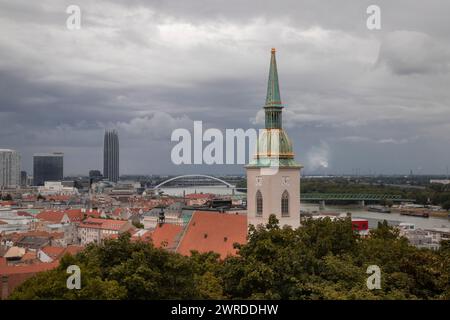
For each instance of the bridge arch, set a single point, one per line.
(194, 175)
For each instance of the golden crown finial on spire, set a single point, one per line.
(273, 50)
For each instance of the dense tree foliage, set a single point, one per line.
(138, 225)
(323, 259)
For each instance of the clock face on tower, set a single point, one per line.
(285, 181)
(258, 181)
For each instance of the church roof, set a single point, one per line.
(212, 231)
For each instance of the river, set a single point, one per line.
(375, 217)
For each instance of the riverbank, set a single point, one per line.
(440, 214)
(431, 213)
(393, 218)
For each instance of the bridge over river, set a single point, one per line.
(360, 197)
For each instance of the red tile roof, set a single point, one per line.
(31, 268)
(108, 224)
(57, 252)
(53, 252)
(165, 235)
(74, 215)
(7, 203)
(24, 214)
(210, 231)
(50, 216)
(117, 211)
(199, 196)
(16, 236)
(30, 255)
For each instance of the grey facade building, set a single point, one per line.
(9, 168)
(23, 179)
(111, 156)
(48, 167)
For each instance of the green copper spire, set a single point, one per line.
(274, 149)
(273, 98)
(273, 105)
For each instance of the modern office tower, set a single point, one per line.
(273, 176)
(9, 168)
(111, 156)
(48, 167)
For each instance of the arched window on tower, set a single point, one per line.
(285, 204)
(259, 204)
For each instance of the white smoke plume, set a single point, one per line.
(318, 157)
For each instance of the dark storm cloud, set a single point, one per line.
(406, 52)
(354, 98)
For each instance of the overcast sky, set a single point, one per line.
(375, 100)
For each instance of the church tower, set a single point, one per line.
(273, 176)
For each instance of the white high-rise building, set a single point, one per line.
(9, 168)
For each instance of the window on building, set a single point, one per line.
(285, 204)
(259, 204)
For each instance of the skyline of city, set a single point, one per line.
(356, 98)
(239, 171)
(213, 170)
